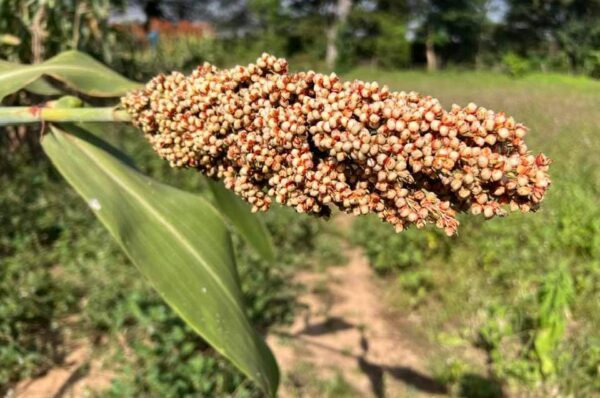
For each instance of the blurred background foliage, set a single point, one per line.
(63, 277)
(525, 290)
(552, 35)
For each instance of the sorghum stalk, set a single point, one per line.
(37, 114)
(311, 141)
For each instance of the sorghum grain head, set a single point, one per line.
(311, 141)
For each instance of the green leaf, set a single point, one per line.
(176, 239)
(556, 292)
(238, 213)
(77, 70)
(39, 86)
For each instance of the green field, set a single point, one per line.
(523, 290)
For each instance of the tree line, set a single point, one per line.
(559, 35)
(518, 35)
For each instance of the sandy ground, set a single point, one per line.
(345, 330)
(79, 376)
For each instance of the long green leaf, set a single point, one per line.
(176, 239)
(237, 212)
(77, 70)
(39, 86)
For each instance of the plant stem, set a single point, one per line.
(35, 114)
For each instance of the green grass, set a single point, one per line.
(305, 380)
(504, 286)
(64, 282)
(499, 288)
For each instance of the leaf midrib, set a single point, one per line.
(254, 360)
(164, 222)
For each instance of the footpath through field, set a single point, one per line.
(343, 343)
(346, 331)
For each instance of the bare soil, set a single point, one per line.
(78, 377)
(346, 330)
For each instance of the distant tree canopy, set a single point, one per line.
(449, 30)
(552, 28)
(558, 33)
(542, 34)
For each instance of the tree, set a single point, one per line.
(374, 33)
(448, 29)
(547, 28)
(340, 16)
(301, 25)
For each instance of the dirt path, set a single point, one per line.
(346, 330)
(79, 376)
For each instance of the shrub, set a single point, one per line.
(372, 36)
(591, 64)
(390, 252)
(515, 65)
(392, 49)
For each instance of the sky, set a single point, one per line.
(497, 10)
(133, 13)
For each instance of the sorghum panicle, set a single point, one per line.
(312, 141)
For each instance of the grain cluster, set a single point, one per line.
(312, 141)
